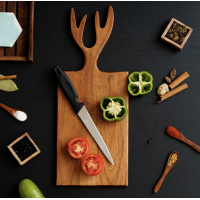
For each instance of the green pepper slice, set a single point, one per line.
(114, 108)
(140, 83)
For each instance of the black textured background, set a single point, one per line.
(134, 45)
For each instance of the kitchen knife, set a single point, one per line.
(69, 90)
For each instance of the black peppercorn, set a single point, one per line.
(24, 148)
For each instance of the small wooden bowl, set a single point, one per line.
(169, 41)
(16, 156)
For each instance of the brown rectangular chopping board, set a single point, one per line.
(91, 88)
(92, 85)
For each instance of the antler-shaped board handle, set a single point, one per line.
(102, 35)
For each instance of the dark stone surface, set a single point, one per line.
(134, 45)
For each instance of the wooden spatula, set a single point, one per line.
(181, 137)
(168, 167)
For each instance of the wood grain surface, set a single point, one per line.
(92, 85)
(190, 143)
(8, 77)
(31, 25)
(22, 18)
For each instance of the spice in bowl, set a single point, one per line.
(173, 158)
(23, 149)
(177, 33)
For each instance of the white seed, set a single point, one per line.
(114, 108)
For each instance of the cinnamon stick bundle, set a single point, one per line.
(178, 80)
(8, 77)
(173, 92)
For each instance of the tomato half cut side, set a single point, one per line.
(78, 147)
(92, 164)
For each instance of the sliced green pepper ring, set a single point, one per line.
(114, 108)
(140, 83)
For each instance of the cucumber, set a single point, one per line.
(28, 189)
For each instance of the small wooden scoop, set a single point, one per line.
(8, 77)
(167, 169)
(173, 132)
(17, 114)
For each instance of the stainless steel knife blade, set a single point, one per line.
(70, 92)
(88, 122)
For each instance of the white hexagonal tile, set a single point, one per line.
(10, 29)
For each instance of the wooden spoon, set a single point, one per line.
(182, 138)
(8, 77)
(17, 114)
(167, 169)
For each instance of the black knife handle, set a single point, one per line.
(68, 88)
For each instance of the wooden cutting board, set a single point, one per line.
(92, 85)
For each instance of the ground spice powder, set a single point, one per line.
(173, 158)
(173, 132)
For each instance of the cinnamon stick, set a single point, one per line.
(8, 77)
(173, 92)
(178, 80)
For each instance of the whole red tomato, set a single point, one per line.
(92, 164)
(78, 147)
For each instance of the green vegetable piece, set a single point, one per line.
(114, 108)
(7, 85)
(28, 189)
(140, 83)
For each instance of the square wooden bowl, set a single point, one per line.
(16, 156)
(169, 41)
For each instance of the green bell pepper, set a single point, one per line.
(140, 83)
(114, 108)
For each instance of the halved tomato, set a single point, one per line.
(92, 164)
(78, 147)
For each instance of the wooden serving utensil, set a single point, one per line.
(8, 77)
(17, 114)
(167, 169)
(173, 132)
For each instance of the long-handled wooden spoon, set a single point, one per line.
(8, 77)
(173, 132)
(169, 165)
(17, 114)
